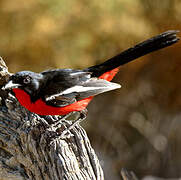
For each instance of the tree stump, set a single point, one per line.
(31, 146)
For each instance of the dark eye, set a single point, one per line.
(27, 80)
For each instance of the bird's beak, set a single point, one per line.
(11, 85)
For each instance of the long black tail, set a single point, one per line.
(155, 43)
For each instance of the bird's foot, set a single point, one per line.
(66, 133)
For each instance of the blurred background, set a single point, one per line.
(136, 127)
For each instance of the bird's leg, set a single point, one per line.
(82, 116)
(64, 117)
(48, 119)
(55, 119)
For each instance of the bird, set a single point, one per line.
(62, 91)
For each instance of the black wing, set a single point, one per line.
(66, 86)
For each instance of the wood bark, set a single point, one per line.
(31, 146)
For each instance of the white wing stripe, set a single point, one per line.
(84, 89)
(81, 73)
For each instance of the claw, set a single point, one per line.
(82, 116)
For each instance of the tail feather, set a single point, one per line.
(155, 43)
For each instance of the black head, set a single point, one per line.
(26, 80)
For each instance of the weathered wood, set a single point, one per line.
(31, 146)
(126, 175)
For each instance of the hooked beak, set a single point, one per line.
(11, 85)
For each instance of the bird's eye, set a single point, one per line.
(26, 80)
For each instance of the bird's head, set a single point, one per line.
(26, 80)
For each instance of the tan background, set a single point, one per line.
(138, 126)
